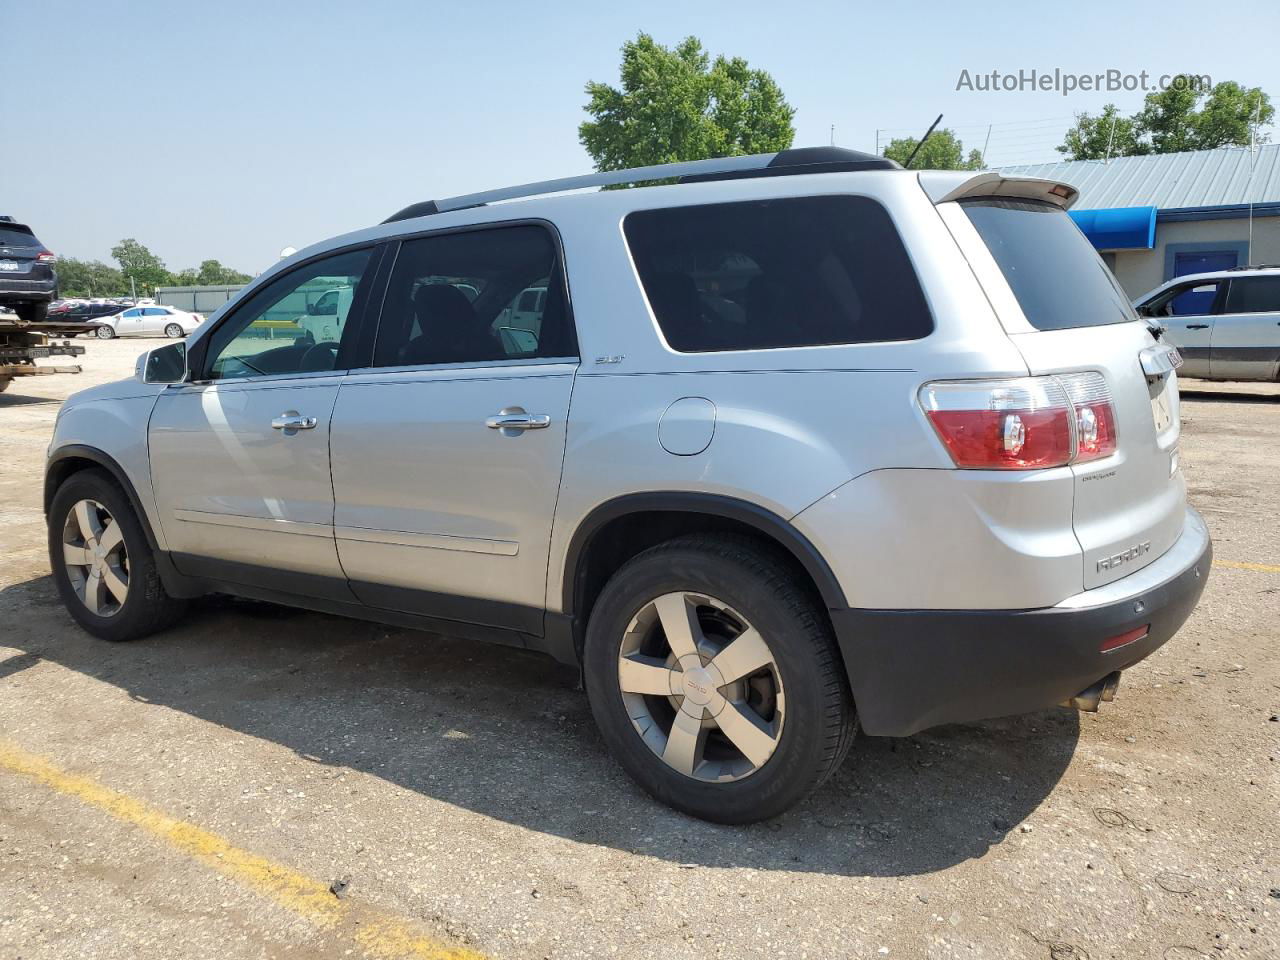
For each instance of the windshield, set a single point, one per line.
(17, 237)
(1057, 276)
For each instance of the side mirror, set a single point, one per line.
(167, 364)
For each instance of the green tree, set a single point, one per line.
(89, 278)
(942, 151)
(212, 272)
(1228, 113)
(1108, 134)
(1184, 116)
(678, 104)
(1167, 118)
(139, 264)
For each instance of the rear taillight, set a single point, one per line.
(1027, 423)
(45, 256)
(1095, 415)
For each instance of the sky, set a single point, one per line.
(229, 130)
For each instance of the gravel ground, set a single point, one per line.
(463, 790)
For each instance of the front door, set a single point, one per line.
(1187, 312)
(446, 453)
(130, 323)
(1246, 336)
(240, 456)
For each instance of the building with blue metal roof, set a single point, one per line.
(1165, 215)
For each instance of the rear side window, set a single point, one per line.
(795, 272)
(1057, 276)
(1253, 295)
(17, 237)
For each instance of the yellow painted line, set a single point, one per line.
(1241, 565)
(379, 935)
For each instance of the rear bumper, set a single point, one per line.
(913, 669)
(16, 291)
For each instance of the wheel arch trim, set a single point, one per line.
(772, 525)
(80, 451)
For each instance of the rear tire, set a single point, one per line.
(116, 593)
(32, 312)
(794, 695)
(174, 331)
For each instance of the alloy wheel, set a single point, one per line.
(174, 331)
(104, 332)
(701, 687)
(97, 562)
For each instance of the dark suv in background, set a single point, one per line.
(27, 279)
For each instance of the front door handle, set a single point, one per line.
(1197, 326)
(518, 421)
(288, 422)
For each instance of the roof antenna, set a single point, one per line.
(907, 165)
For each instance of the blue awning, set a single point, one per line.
(1119, 228)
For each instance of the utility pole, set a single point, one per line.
(1110, 138)
(833, 134)
(133, 291)
(1253, 156)
(877, 142)
(985, 144)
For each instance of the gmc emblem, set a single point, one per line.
(1116, 559)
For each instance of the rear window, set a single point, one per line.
(1057, 276)
(11, 236)
(796, 272)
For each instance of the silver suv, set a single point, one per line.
(794, 443)
(1226, 323)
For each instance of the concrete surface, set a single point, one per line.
(186, 796)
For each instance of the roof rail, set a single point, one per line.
(783, 163)
(1254, 266)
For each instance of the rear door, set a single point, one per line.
(1246, 336)
(154, 320)
(447, 451)
(1067, 315)
(130, 323)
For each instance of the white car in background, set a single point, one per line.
(147, 321)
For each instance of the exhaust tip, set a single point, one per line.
(1087, 700)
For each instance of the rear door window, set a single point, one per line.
(795, 272)
(457, 298)
(1253, 295)
(1058, 278)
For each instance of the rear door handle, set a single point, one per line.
(292, 421)
(1197, 326)
(518, 421)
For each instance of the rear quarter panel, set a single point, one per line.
(791, 425)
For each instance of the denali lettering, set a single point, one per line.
(1116, 559)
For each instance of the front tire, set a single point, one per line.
(714, 676)
(103, 565)
(104, 332)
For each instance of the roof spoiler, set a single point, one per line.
(943, 186)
